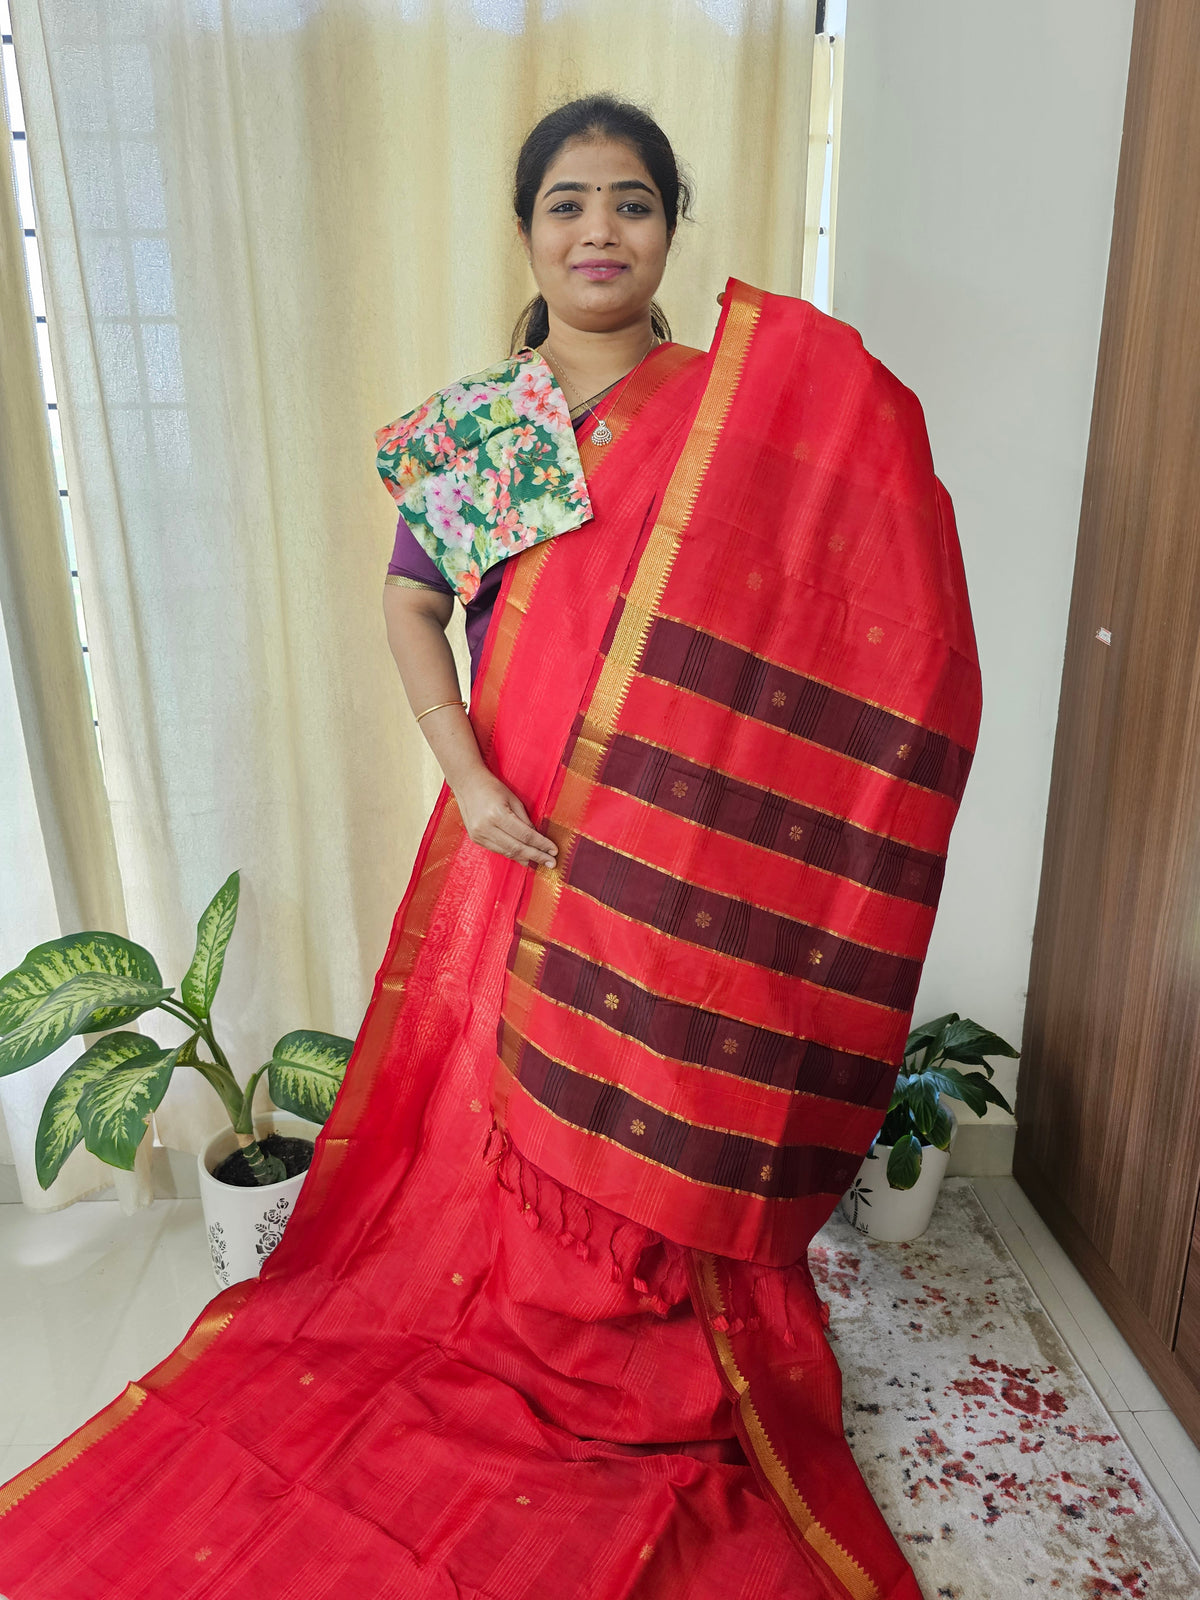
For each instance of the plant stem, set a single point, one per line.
(219, 1073)
(194, 1024)
(245, 1122)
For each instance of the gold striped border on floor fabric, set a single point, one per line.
(853, 1578)
(213, 1322)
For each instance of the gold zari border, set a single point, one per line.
(649, 582)
(856, 1581)
(213, 1322)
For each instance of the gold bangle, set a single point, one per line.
(439, 706)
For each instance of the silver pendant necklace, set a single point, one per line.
(602, 434)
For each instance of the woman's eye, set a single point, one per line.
(635, 207)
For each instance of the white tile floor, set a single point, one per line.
(92, 1299)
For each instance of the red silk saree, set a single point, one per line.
(542, 1323)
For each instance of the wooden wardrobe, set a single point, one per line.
(1108, 1143)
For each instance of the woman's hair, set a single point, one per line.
(594, 117)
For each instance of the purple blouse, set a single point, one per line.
(410, 560)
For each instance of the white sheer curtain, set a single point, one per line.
(57, 862)
(269, 226)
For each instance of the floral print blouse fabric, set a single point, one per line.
(486, 468)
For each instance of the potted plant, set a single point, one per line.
(897, 1185)
(97, 982)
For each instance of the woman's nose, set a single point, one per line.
(599, 232)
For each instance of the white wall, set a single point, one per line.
(980, 144)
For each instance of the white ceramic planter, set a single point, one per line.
(244, 1225)
(895, 1215)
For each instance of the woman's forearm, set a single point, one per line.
(417, 637)
(492, 814)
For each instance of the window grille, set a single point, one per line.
(37, 310)
(831, 29)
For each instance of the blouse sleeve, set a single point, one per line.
(411, 564)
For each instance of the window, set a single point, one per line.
(37, 310)
(831, 23)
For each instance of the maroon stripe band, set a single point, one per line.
(762, 817)
(754, 687)
(708, 1155)
(736, 928)
(706, 1038)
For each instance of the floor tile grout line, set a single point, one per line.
(1191, 1496)
(1143, 1452)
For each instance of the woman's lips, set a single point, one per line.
(599, 271)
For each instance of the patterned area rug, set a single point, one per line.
(989, 1452)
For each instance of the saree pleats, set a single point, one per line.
(541, 1323)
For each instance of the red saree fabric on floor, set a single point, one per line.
(541, 1324)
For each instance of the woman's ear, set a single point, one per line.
(523, 240)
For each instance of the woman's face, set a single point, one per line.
(598, 241)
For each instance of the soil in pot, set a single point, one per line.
(296, 1155)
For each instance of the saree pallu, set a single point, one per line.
(542, 1322)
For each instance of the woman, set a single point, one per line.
(542, 1323)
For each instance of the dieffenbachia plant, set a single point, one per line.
(93, 982)
(916, 1116)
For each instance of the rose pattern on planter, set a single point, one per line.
(992, 1458)
(217, 1251)
(270, 1229)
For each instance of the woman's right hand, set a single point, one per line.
(495, 818)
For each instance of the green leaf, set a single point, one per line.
(967, 1041)
(47, 966)
(73, 1008)
(113, 1109)
(899, 1093)
(928, 1032)
(59, 1129)
(922, 1099)
(306, 1072)
(904, 1163)
(187, 1054)
(957, 1085)
(994, 1097)
(942, 1130)
(503, 412)
(199, 986)
(972, 1088)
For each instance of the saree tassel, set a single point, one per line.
(500, 1162)
(582, 1246)
(673, 1284)
(532, 1209)
(622, 1271)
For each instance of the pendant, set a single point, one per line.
(601, 433)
